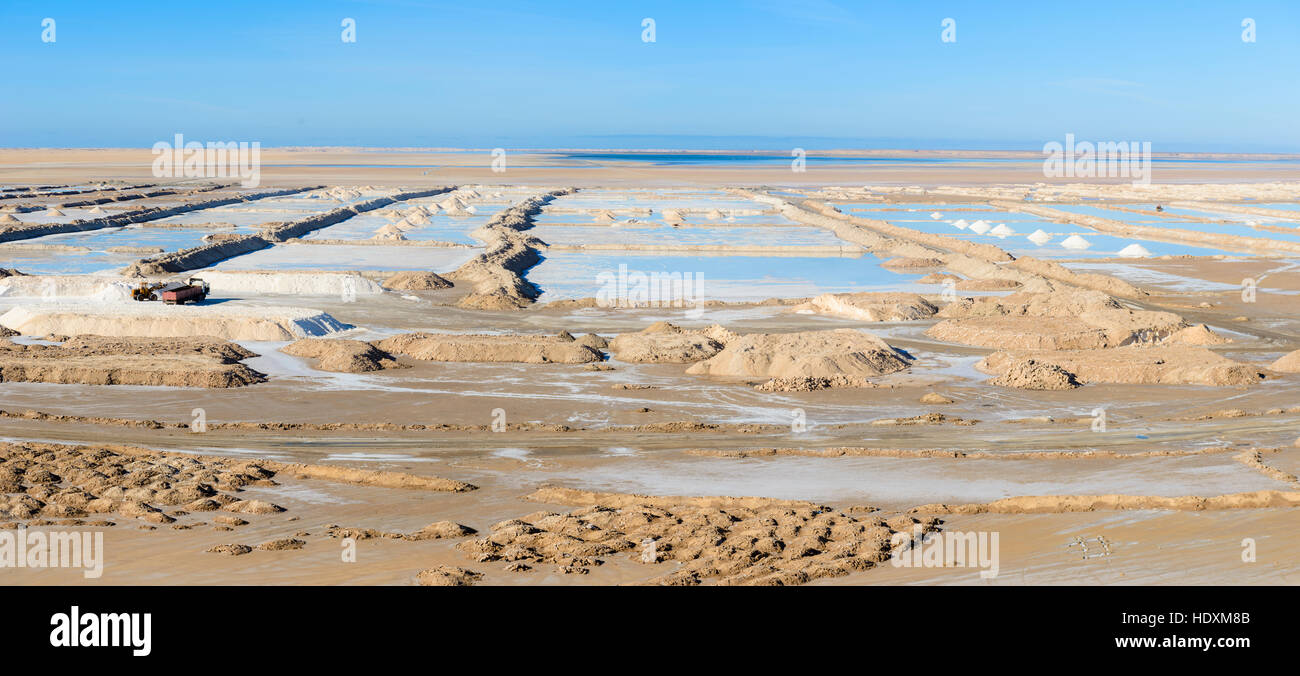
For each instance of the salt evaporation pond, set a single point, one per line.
(351, 257)
(568, 275)
(65, 262)
(656, 234)
(168, 239)
(440, 228)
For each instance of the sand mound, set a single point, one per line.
(416, 281)
(448, 576)
(1059, 320)
(96, 360)
(289, 283)
(1134, 365)
(593, 341)
(935, 398)
(818, 354)
(664, 343)
(1289, 363)
(605, 216)
(9, 218)
(1198, 334)
(938, 278)
(56, 286)
(156, 320)
(987, 284)
(493, 348)
(729, 541)
(1034, 375)
(871, 307)
(345, 356)
(912, 263)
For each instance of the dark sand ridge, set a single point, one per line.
(141, 215)
(496, 275)
(210, 254)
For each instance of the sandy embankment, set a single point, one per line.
(156, 320)
(490, 348)
(870, 307)
(13, 233)
(497, 274)
(1051, 321)
(96, 360)
(345, 356)
(1133, 365)
(217, 251)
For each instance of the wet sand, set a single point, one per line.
(1197, 467)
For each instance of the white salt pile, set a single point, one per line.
(980, 227)
(936, 215)
(1134, 251)
(1001, 230)
(1075, 242)
(960, 224)
(1040, 238)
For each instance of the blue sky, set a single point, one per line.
(812, 73)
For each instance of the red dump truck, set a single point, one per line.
(173, 293)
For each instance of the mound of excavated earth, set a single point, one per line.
(1031, 374)
(664, 343)
(871, 307)
(1289, 363)
(96, 360)
(158, 320)
(71, 482)
(1131, 365)
(729, 541)
(814, 354)
(1061, 320)
(346, 356)
(489, 348)
(412, 280)
(1199, 334)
